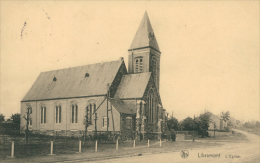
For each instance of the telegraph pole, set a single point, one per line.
(96, 124)
(107, 104)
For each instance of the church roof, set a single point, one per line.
(124, 106)
(132, 85)
(79, 81)
(144, 36)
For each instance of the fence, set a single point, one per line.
(186, 132)
(42, 146)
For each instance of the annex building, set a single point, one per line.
(105, 96)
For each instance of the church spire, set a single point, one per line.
(144, 36)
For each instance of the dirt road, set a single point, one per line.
(230, 152)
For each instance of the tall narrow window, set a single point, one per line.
(28, 115)
(74, 113)
(90, 113)
(91, 109)
(140, 112)
(30, 121)
(94, 108)
(43, 114)
(141, 65)
(58, 114)
(72, 118)
(152, 109)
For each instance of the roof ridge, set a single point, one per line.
(80, 66)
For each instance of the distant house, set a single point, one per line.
(217, 121)
(112, 98)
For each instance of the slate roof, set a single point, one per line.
(124, 106)
(144, 36)
(71, 82)
(132, 85)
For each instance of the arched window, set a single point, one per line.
(139, 64)
(74, 113)
(58, 113)
(28, 115)
(91, 109)
(43, 114)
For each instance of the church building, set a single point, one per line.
(102, 97)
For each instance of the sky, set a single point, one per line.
(209, 60)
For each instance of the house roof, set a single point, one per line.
(145, 36)
(132, 85)
(124, 106)
(79, 81)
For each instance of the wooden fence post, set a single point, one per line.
(116, 144)
(12, 150)
(79, 146)
(96, 146)
(51, 149)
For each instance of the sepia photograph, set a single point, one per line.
(130, 81)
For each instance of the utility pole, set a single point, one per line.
(27, 118)
(112, 119)
(96, 124)
(107, 104)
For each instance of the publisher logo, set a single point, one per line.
(184, 154)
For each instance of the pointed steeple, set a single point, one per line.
(144, 36)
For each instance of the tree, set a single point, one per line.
(204, 123)
(230, 124)
(187, 124)
(257, 124)
(172, 123)
(225, 116)
(15, 118)
(201, 123)
(2, 118)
